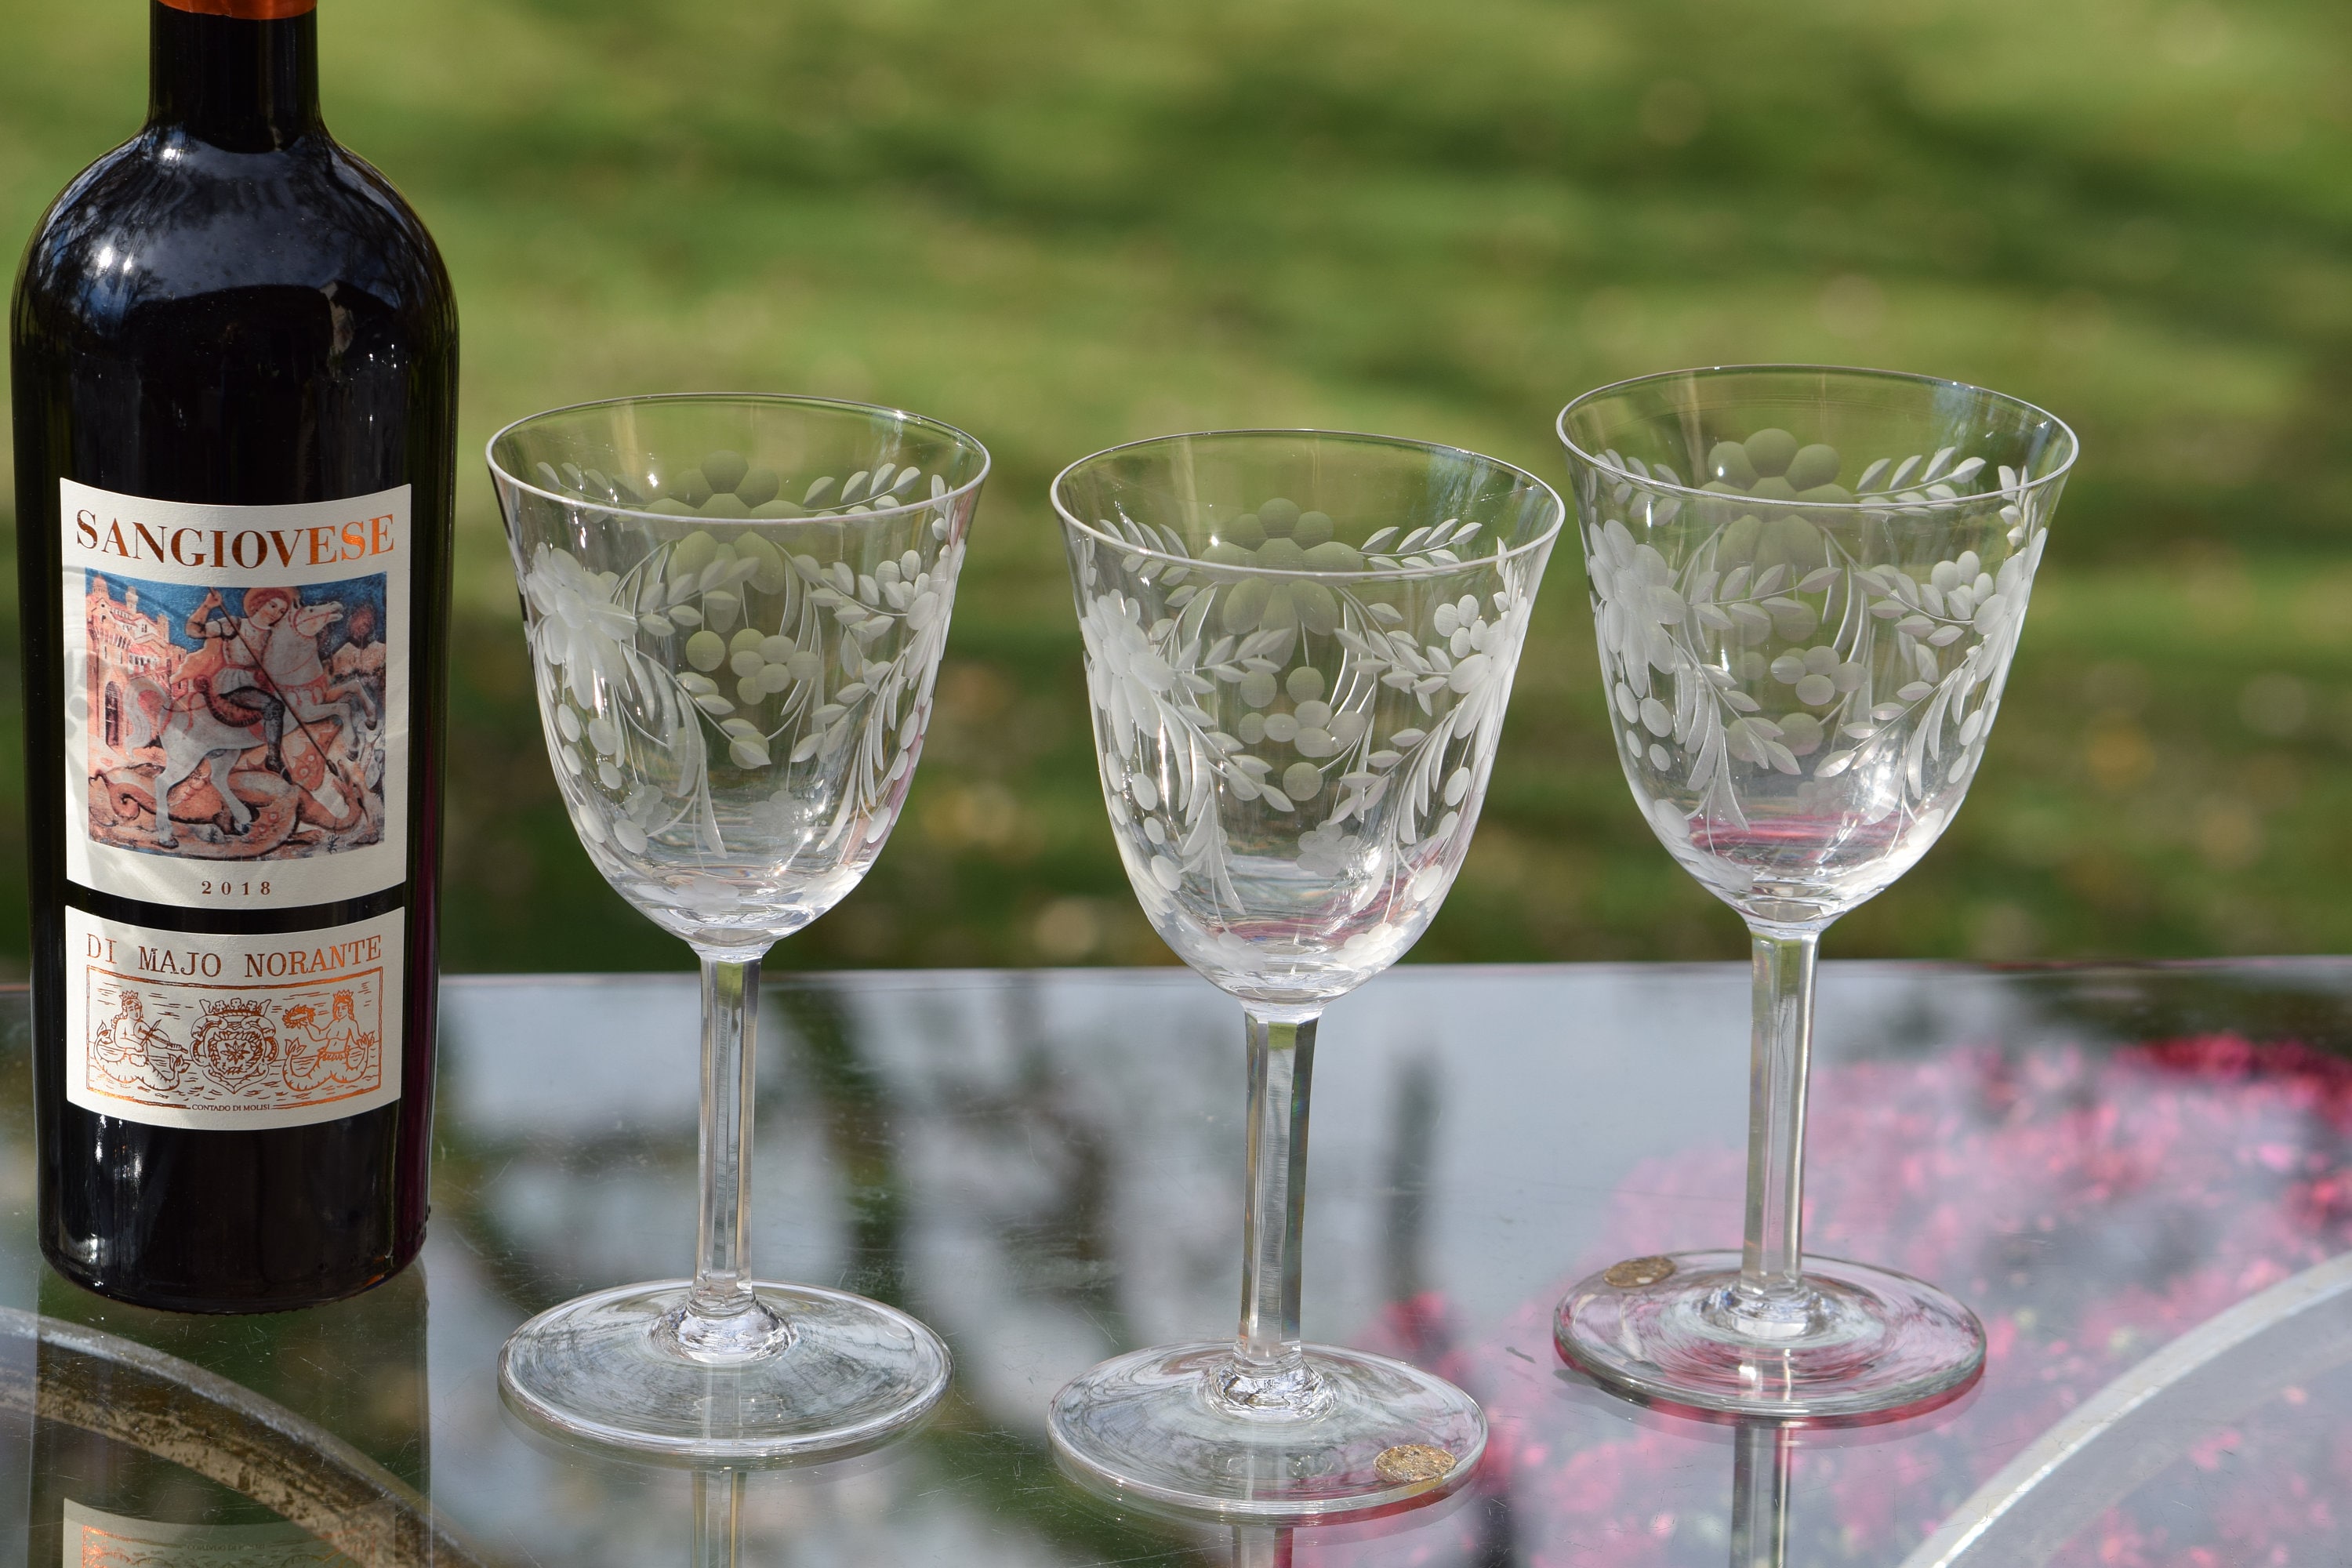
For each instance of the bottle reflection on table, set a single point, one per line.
(116, 1473)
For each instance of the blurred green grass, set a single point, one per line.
(1066, 222)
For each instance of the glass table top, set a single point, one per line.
(2134, 1174)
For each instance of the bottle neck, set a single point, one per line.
(239, 73)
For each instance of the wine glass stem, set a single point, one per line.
(717, 1518)
(1760, 1462)
(1259, 1546)
(1771, 1264)
(730, 1004)
(1281, 1071)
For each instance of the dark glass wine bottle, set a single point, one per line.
(234, 354)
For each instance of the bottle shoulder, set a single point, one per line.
(165, 221)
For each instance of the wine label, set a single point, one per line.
(95, 1539)
(232, 1031)
(236, 698)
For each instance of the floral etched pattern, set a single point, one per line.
(1802, 685)
(735, 722)
(1295, 732)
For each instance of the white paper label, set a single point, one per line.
(249, 665)
(94, 1539)
(225, 1031)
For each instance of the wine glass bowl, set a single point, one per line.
(735, 680)
(736, 607)
(1808, 585)
(1297, 705)
(1803, 671)
(1300, 646)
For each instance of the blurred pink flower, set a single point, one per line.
(2090, 1208)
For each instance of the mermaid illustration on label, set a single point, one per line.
(341, 1055)
(258, 728)
(128, 1051)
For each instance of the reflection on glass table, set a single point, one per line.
(2232, 1396)
(1044, 1166)
(139, 1457)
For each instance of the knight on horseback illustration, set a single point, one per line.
(254, 680)
(226, 671)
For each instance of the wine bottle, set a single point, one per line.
(234, 354)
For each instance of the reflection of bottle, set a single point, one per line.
(92, 1538)
(235, 359)
(120, 1456)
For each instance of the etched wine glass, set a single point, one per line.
(1807, 585)
(735, 607)
(1298, 648)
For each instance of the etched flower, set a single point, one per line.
(926, 598)
(581, 625)
(1328, 851)
(1126, 674)
(790, 815)
(1487, 653)
(1637, 601)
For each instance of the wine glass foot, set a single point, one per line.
(1377, 1434)
(1870, 1340)
(847, 1374)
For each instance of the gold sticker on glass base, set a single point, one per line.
(1638, 1273)
(1410, 1462)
